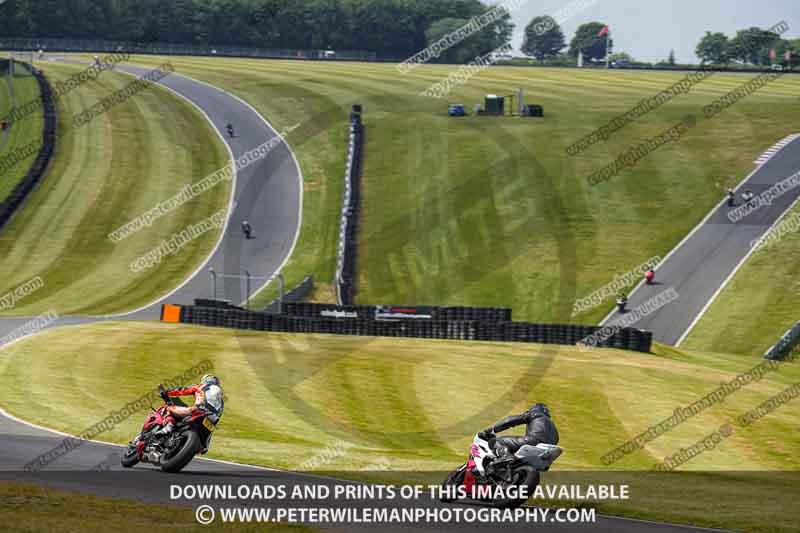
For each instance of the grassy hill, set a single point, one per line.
(103, 175)
(22, 89)
(492, 211)
(481, 211)
(348, 404)
(371, 390)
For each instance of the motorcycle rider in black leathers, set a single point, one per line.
(539, 428)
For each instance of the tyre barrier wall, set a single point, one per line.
(625, 339)
(303, 289)
(785, 345)
(10, 204)
(373, 312)
(348, 227)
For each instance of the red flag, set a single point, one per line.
(603, 32)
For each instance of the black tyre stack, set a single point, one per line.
(456, 323)
(41, 163)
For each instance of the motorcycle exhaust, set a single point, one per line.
(152, 457)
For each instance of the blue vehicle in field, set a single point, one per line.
(457, 110)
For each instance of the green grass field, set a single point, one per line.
(411, 405)
(115, 168)
(24, 132)
(491, 211)
(321, 388)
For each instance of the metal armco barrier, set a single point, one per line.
(42, 161)
(785, 345)
(348, 227)
(625, 339)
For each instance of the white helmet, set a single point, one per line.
(210, 379)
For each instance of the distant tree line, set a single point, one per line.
(391, 28)
(545, 41)
(748, 46)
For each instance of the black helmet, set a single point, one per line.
(540, 408)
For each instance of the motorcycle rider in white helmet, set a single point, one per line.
(207, 398)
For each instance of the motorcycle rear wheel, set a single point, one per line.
(528, 478)
(186, 453)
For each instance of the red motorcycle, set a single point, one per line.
(174, 450)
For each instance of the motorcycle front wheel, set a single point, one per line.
(130, 457)
(183, 452)
(451, 484)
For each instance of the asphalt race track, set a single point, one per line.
(19, 443)
(700, 266)
(269, 196)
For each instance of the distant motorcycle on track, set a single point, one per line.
(174, 450)
(506, 481)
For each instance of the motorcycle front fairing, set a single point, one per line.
(480, 452)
